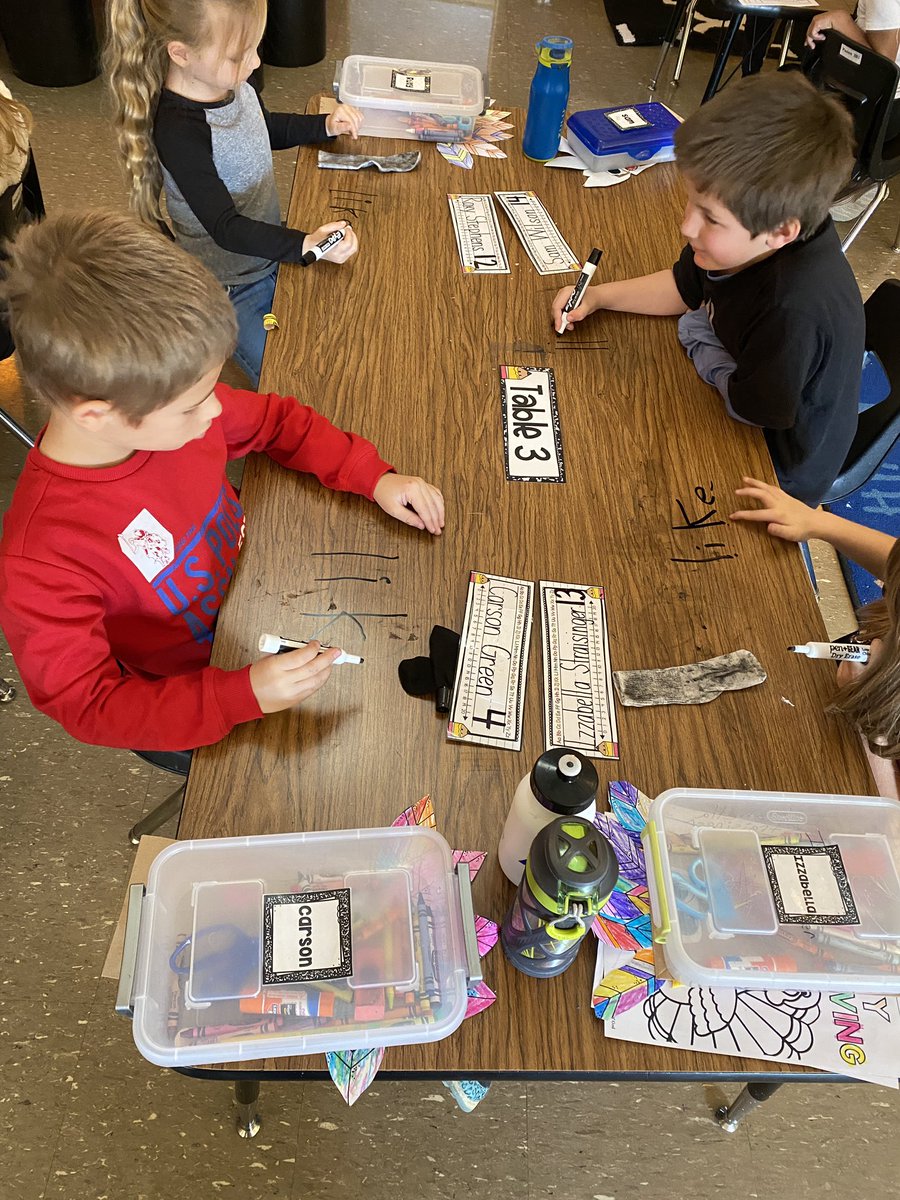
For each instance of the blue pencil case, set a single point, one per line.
(623, 137)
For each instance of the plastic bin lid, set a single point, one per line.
(409, 84)
(643, 127)
(754, 889)
(298, 943)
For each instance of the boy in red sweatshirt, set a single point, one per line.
(123, 532)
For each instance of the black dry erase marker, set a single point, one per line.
(271, 643)
(581, 283)
(321, 248)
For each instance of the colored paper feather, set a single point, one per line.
(456, 154)
(485, 150)
(475, 859)
(420, 813)
(480, 998)
(353, 1070)
(487, 933)
(625, 987)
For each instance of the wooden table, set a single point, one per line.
(401, 346)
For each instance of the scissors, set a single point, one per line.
(692, 887)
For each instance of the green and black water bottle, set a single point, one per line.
(570, 873)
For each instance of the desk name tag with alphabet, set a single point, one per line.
(532, 438)
(579, 709)
(306, 936)
(489, 690)
(478, 237)
(548, 250)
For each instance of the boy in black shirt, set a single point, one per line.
(769, 310)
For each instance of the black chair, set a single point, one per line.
(760, 28)
(879, 426)
(866, 82)
(20, 203)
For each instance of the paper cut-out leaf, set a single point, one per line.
(485, 150)
(456, 154)
(480, 998)
(475, 859)
(353, 1070)
(487, 933)
(420, 813)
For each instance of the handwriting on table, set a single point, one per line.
(699, 516)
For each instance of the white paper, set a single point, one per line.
(548, 250)
(842, 1032)
(579, 708)
(532, 437)
(478, 237)
(489, 690)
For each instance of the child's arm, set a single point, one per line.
(654, 295)
(301, 129)
(302, 439)
(184, 144)
(795, 521)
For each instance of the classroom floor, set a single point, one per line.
(84, 1116)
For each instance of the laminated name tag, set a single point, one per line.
(306, 936)
(478, 237)
(411, 81)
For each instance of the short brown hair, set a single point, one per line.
(103, 307)
(769, 148)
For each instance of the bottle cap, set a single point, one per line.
(571, 862)
(554, 51)
(269, 643)
(564, 781)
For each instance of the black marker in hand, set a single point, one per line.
(581, 283)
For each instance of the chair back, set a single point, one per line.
(866, 82)
(878, 427)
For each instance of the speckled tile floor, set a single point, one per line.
(84, 1116)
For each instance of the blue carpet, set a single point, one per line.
(877, 504)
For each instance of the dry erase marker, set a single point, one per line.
(271, 643)
(321, 248)
(581, 283)
(838, 651)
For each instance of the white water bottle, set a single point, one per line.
(562, 783)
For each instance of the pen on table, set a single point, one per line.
(271, 643)
(321, 248)
(581, 283)
(838, 651)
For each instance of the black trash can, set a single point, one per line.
(295, 33)
(51, 43)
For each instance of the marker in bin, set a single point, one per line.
(321, 248)
(271, 643)
(581, 283)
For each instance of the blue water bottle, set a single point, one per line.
(548, 98)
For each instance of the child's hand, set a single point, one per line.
(411, 500)
(589, 303)
(344, 119)
(817, 26)
(280, 681)
(848, 672)
(345, 248)
(785, 517)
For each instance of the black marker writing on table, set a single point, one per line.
(581, 283)
(321, 248)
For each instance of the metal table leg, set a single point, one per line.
(246, 1098)
(729, 1116)
(669, 40)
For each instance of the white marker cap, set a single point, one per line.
(269, 643)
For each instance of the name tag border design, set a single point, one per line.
(341, 970)
(546, 238)
(495, 247)
(551, 441)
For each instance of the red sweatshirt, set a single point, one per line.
(111, 578)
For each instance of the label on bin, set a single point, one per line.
(411, 81)
(810, 885)
(306, 935)
(627, 118)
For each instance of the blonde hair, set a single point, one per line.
(104, 307)
(136, 63)
(872, 701)
(15, 128)
(770, 148)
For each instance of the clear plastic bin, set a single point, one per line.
(760, 889)
(299, 943)
(405, 98)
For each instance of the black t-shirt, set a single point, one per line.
(794, 325)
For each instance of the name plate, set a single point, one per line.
(579, 709)
(536, 229)
(478, 237)
(532, 438)
(489, 689)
